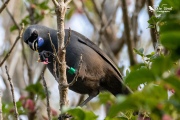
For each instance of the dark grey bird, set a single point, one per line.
(98, 72)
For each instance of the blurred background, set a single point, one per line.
(115, 26)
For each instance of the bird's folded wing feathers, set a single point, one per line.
(99, 51)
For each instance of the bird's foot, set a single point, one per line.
(43, 56)
(64, 116)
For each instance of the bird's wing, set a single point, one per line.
(87, 42)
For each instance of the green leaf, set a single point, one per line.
(160, 65)
(36, 88)
(139, 52)
(153, 20)
(170, 39)
(70, 13)
(44, 5)
(80, 114)
(175, 4)
(89, 5)
(172, 25)
(106, 97)
(150, 55)
(14, 27)
(135, 78)
(26, 20)
(148, 99)
(174, 82)
(151, 26)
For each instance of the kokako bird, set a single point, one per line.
(98, 72)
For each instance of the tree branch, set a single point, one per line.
(1, 116)
(68, 40)
(13, 97)
(19, 37)
(138, 6)
(54, 50)
(13, 19)
(4, 6)
(60, 10)
(127, 32)
(152, 30)
(77, 73)
(91, 20)
(47, 96)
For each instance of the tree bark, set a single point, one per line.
(61, 8)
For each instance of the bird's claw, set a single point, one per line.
(64, 116)
(43, 56)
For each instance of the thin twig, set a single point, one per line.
(68, 40)
(96, 8)
(55, 58)
(54, 50)
(4, 6)
(19, 37)
(26, 61)
(13, 19)
(77, 73)
(42, 71)
(91, 20)
(47, 96)
(13, 97)
(54, 69)
(67, 2)
(1, 116)
(55, 2)
(101, 31)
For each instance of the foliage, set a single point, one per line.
(80, 114)
(159, 72)
(37, 89)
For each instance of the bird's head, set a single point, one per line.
(32, 38)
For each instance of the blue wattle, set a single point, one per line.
(40, 41)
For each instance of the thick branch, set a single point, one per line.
(127, 32)
(13, 97)
(19, 37)
(60, 10)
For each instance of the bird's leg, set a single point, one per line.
(88, 99)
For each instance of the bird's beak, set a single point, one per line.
(33, 45)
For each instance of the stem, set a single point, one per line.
(13, 96)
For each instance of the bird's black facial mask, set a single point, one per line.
(34, 41)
